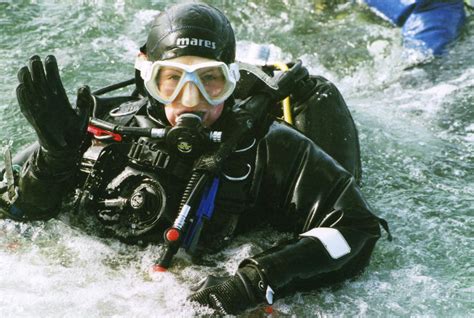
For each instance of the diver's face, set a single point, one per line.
(190, 99)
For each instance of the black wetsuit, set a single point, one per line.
(277, 176)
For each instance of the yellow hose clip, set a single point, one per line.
(287, 115)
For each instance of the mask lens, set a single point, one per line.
(214, 81)
(167, 81)
(164, 80)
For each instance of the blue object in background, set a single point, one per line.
(427, 25)
(397, 11)
(433, 25)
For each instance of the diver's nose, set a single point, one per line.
(190, 95)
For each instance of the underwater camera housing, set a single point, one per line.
(122, 187)
(126, 198)
(129, 203)
(133, 203)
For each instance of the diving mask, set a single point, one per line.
(165, 79)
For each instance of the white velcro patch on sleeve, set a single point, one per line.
(332, 239)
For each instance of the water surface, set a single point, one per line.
(417, 135)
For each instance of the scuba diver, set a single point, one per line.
(196, 155)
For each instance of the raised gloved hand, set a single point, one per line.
(232, 295)
(44, 103)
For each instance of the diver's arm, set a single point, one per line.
(41, 184)
(326, 254)
(323, 205)
(301, 189)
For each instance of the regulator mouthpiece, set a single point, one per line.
(189, 137)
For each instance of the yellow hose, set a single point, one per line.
(287, 115)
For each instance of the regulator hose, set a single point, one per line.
(173, 236)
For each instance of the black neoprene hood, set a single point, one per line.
(191, 29)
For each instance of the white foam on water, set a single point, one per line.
(145, 17)
(260, 53)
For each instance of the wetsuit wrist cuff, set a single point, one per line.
(256, 284)
(57, 163)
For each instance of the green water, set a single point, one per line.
(417, 135)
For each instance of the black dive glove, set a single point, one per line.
(232, 295)
(44, 103)
(291, 82)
